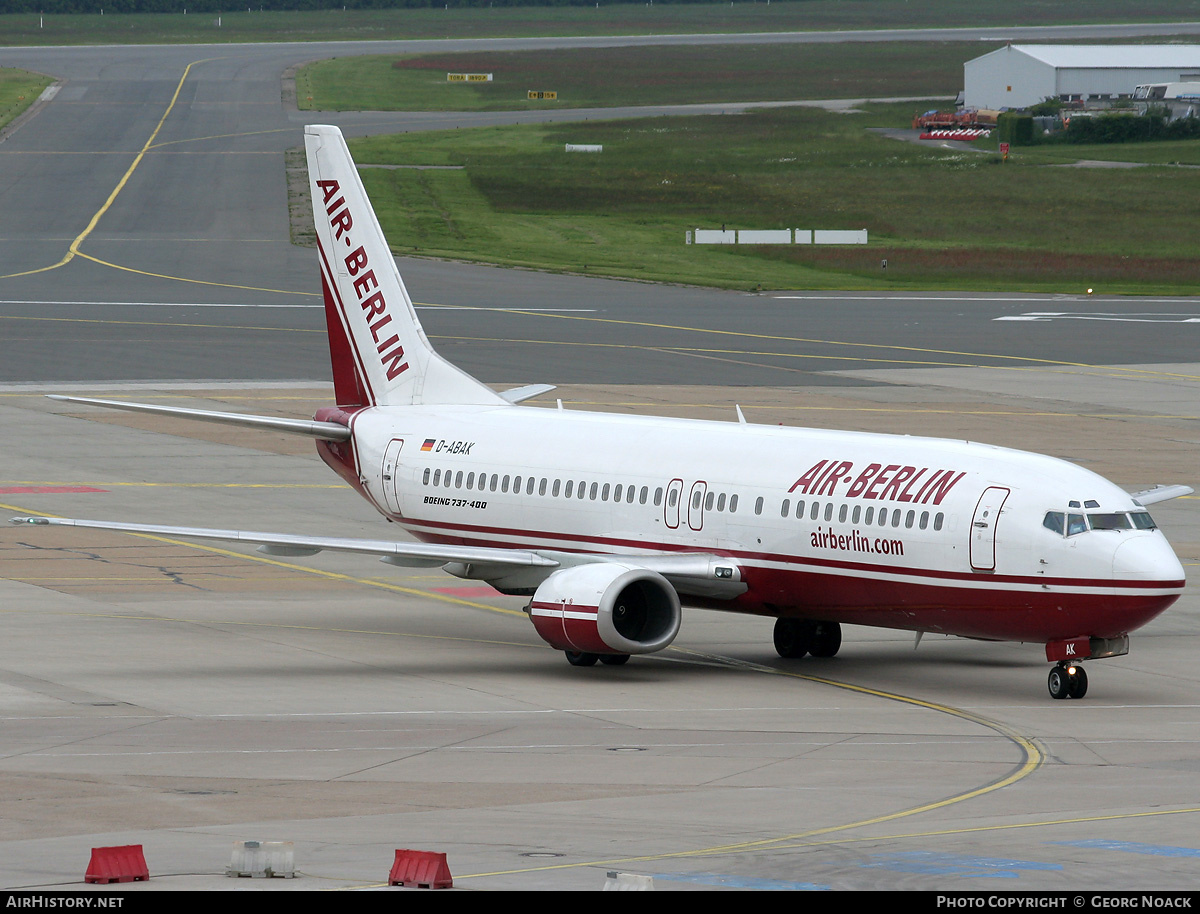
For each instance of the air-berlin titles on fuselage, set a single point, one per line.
(391, 353)
(876, 481)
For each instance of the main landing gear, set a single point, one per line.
(796, 637)
(1067, 680)
(579, 658)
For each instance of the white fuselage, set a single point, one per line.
(908, 532)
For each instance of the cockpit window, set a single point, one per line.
(1142, 520)
(1109, 522)
(1079, 523)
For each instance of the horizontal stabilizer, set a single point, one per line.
(1161, 493)
(528, 392)
(328, 431)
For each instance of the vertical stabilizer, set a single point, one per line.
(380, 352)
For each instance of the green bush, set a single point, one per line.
(1015, 129)
(1130, 128)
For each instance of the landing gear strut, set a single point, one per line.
(579, 658)
(796, 637)
(1067, 680)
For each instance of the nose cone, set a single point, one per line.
(1147, 557)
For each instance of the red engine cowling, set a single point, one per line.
(606, 608)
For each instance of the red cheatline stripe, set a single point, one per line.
(46, 490)
(485, 536)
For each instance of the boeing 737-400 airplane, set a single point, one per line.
(609, 523)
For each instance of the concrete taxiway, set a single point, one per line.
(185, 696)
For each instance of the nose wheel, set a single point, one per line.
(1067, 680)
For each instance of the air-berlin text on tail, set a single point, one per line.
(893, 482)
(391, 353)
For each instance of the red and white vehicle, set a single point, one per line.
(609, 523)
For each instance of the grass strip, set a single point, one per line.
(942, 218)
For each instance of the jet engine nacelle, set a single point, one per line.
(606, 608)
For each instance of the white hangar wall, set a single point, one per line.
(1020, 75)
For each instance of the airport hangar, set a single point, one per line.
(1020, 75)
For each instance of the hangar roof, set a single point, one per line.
(1113, 56)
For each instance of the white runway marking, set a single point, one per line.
(1121, 317)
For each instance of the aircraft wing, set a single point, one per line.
(699, 574)
(400, 553)
(1160, 493)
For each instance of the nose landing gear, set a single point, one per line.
(1067, 680)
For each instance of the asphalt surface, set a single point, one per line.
(184, 697)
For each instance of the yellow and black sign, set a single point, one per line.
(468, 77)
(533, 94)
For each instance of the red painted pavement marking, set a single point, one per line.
(467, 591)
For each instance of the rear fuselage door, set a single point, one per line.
(390, 472)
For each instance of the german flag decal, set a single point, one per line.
(428, 445)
